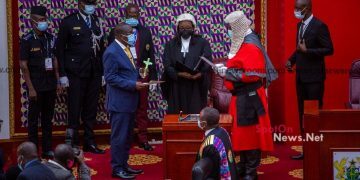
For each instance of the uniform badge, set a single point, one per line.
(147, 47)
(76, 28)
(35, 49)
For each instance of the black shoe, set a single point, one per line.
(134, 171)
(93, 149)
(122, 175)
(48, 155)
(146, 146)
(298, 157)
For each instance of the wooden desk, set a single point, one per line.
(340, 129)
(181, 143)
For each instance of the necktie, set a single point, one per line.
(128, 53)
(301, 31)
(88, 22)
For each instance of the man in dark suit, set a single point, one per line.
(142, 50)
(122, 95)
(29, 161)
(79, 49)
(64, 161)
(313, 44)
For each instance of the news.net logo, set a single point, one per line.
(281, 133)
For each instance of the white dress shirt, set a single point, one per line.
(306, 24)
(57, 164)
(85, 16)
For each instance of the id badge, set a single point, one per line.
(133, 52)
(48, 64)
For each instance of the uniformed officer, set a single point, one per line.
(79, 49)
(40, 71)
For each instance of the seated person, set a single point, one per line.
(216, 146)
(30, 163)
(64, 159)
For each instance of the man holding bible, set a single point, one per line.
(187, 77)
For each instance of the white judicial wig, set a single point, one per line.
(186, 17)
(239, 24)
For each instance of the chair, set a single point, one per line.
(219, 96)
(202, 169)
(354, 95)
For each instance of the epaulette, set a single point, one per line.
(28, 36)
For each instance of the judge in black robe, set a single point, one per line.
(187, 77)
(216, 146)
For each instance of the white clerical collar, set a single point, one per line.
(208, 131)
(185, 43)
(120, 44)
(307, 21)
(57, 164)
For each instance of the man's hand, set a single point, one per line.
(185, 75)
(152, 87)
(32, 94)
(64, 81)
(302, 46)
(80, 158)
(59, 89)
(288, 66)
(140, 86)
(196, 76)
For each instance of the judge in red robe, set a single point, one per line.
(246, 76)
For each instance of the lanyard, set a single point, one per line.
(47, 48)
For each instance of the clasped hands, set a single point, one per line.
(189, 76)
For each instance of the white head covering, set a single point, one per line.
(186, 17)
(240, 24)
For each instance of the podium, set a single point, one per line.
(340, 132)
(181, 144)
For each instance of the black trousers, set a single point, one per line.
(308, 91)
(44, 105)
(83, 95)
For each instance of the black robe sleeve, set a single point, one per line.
(169, 68)
(211, 152)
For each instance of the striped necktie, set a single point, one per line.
(88, 22)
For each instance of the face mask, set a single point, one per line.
(20, 162)
(42, 26)
(186, 33)
(230, 33)
(131, 39)
(132, 22)
(70, 164)
(299, 15)
(89, 9)
(199, 125)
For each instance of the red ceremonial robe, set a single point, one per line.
(258, 136)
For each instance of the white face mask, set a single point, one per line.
(199, 125)
(299, 14)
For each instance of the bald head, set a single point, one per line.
(63, 152)
(27, 150)
(302, 4)
(211, 116)
(121, 32)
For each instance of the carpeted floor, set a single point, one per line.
(275, 165)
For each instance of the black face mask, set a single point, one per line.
(186, 33)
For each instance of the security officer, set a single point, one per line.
(79, 49)
(40, 71)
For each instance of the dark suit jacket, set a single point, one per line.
(120, 76)
(310, 66)
(74, 47)
(36, 171)
(144, 49)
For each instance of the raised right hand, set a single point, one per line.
(64, 81)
